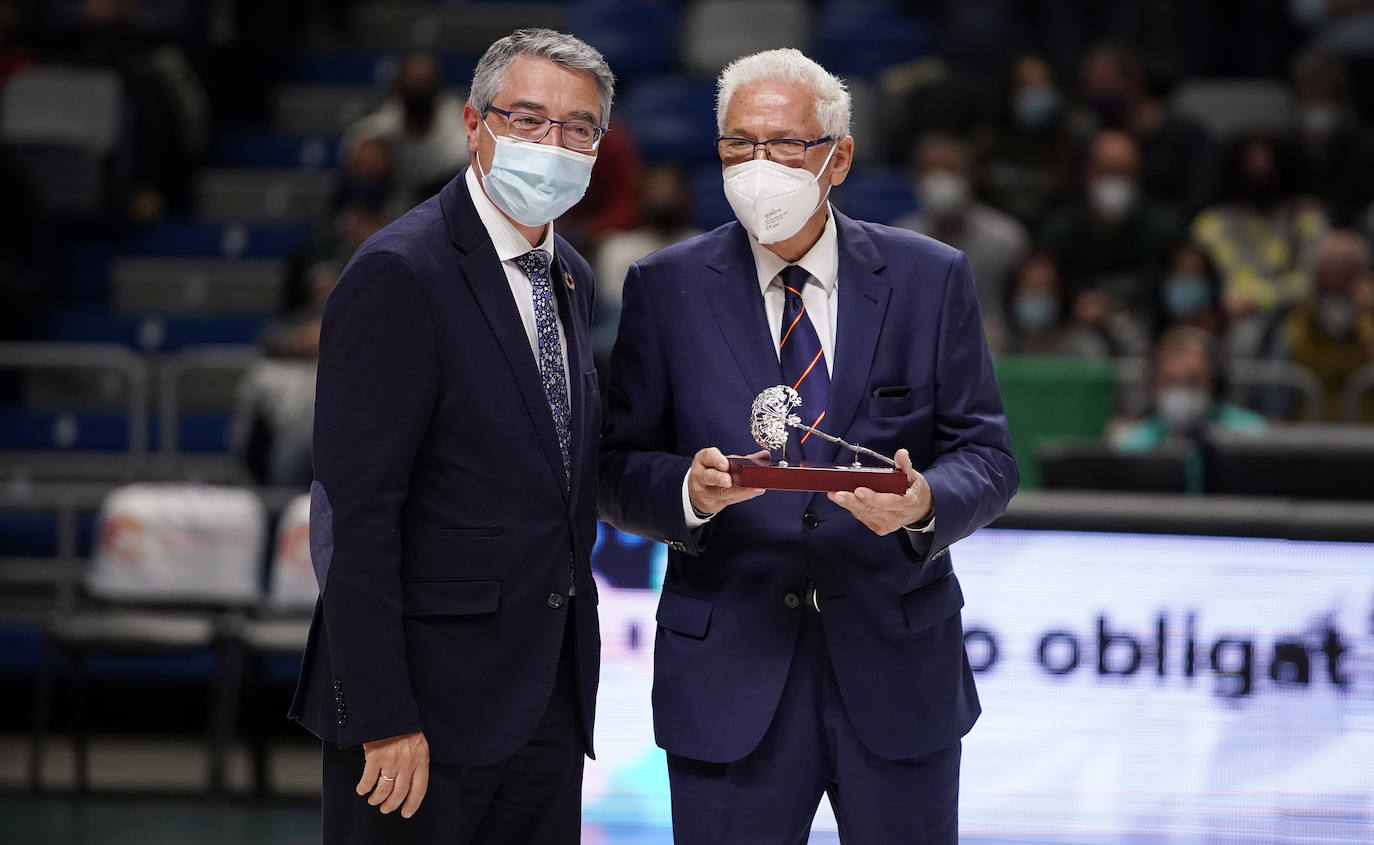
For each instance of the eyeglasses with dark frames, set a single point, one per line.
(576, 135)
(787, 151)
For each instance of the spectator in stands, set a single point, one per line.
(1335, 149)
(363, 203)
(924, 96)
(612, 200)
(1190, 293)
(1332, 332)
(994, 242)
(423, 123)
(1041, 321)
(166, 109)
(1260, 237)
(1178, 158)
(1024, 155)
(666, 212)
(1186, 386)
(1113, 241)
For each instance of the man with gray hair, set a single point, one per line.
(453, 656)
(807, 643)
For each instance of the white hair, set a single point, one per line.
(787, 65)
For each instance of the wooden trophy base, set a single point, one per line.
(816, 478)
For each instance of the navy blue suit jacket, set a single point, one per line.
(441, 527)
(694, 350)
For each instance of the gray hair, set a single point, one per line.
(560, 48)
(787, 65)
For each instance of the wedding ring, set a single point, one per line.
(384, 777)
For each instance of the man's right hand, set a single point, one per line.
(397, 771)
(709, 485)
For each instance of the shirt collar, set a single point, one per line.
(822, 261)
(504, 236)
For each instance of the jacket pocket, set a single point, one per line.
(932, 603)
(686, 615)
(450, 598)
(896, 406)
(470, 532)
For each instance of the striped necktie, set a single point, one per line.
(535, 264)
(803, 359)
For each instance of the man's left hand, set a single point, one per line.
(884, 513)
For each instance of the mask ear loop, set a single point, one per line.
(817, 177)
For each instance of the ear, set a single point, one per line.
(472, 119)
(842, 160)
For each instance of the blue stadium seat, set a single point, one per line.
(672, 119)
(876, 195)
(353, 66)
(202, 432)
(634, 36)
(204, 239)
(249, 148)
(709, 206)
(154, 332)
(34, 533)
(864, 38)
(27, 429)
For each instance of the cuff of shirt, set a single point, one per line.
(689, 513)
(928, 528)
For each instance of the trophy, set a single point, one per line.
(770, 418)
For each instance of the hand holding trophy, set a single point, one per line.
(770, 418)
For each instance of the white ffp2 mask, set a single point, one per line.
(773, 201)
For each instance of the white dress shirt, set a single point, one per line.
(510, 245)
(821, 297)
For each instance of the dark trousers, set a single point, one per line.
(533, 797)
(810, 749)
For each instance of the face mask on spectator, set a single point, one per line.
(943, 193)
(773, 201)
(1319, 119)
(1035, 311)
(1185, 408)
(1111, 196)
(1036, 106)
(535, 183)
(1335, 316)
(1185, 295)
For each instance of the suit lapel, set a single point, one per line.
(863, 298)
(486, 278)
(738, 305)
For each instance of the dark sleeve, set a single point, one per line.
(375, 393)
(641, 476)
(973, 475)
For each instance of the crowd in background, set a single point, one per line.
(1039, 138)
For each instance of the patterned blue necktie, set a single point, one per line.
(803, 358)
(535, 264)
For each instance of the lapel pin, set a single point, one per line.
(568, 280)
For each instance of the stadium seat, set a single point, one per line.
(1358, 393)
(190, 238)
(865, 121)
(340, 67)
(62, 125)
(268, 149)
(154, 332)
(1053, 398)
(440, 27)
(213, 287)
(864, 38)
(634, 36)
(710, 208)
(1231, 107)
(171, 560)
(876, 195)
(257, 196)
(322, 109)
(1278, 389)
(716, 32)
(672, 119)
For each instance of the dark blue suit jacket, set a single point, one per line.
(442, 530)
(694, 350)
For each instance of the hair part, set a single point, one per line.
(791, 66)
(569, 51)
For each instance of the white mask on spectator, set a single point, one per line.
(1335, 315)
(943, 192)
(773, 201)
(1185, 408)
(1111, 196)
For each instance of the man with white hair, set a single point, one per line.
(452, 665)
(807, 643)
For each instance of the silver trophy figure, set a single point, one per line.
(771, 416)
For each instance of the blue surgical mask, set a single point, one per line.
(535, 183)
(1186, 295)
(1035, 107)
(1035, 311)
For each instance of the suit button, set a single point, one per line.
(810, 520)
(555, 600)
(792, 600)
